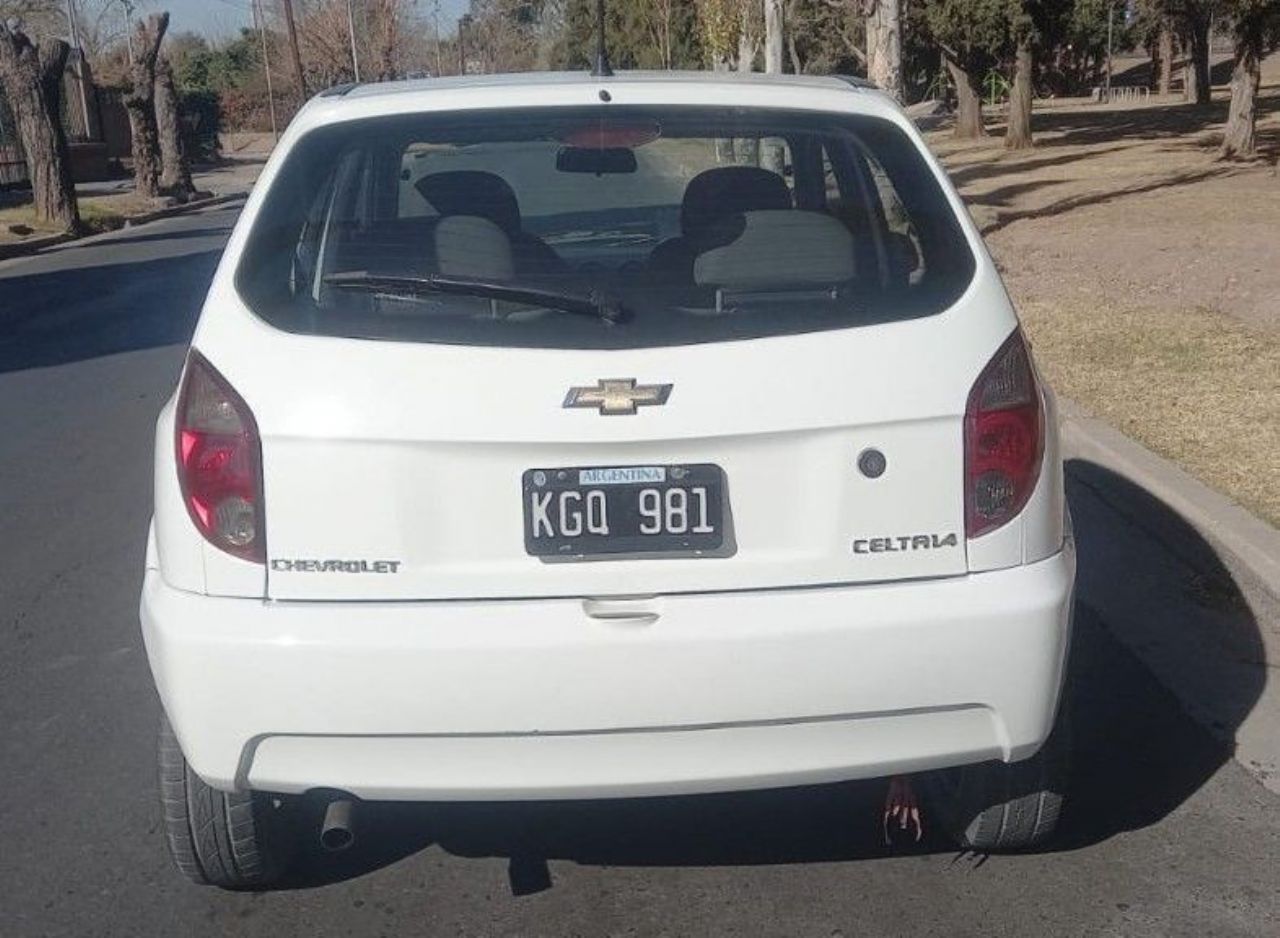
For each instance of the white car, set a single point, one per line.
(560, 436)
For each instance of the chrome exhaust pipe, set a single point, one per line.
(336, 832)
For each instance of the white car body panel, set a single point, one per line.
(789, 659)
(675, 695)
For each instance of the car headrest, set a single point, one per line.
(728, 190)
(470, 192)
(777, 249)
(469, 246)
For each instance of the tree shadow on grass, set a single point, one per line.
(999, 197)
(1138, 755)
(1083, 126)
(1142, 74)
(987, 168)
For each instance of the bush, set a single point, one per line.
(247, 109)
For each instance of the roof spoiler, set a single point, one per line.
(857, 82)
(337, 91)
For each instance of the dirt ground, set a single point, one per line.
(1148, 274)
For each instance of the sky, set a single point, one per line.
(219, 19)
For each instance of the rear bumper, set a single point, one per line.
(545, 699)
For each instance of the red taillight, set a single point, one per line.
(220, 462)
(1003, 439)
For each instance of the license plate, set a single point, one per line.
(623, 510)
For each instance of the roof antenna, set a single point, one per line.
(602, 68)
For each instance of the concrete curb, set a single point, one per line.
(23, 248)
(1251, 542)
(34, 246)
(184, 208)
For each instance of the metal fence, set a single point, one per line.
(1127, 94)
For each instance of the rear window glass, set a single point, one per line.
(602, 227)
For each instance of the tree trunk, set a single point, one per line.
(774, 155)
(1164, 60)
(31, 79)
(747, 148)
(773, 30)
(968, 101)
(388, 41)
(1196, 72)
(299, 76)
(1018, 136)
(175, 174)
(1238, 140)
(724, 145)
(884, 47)
(797, 66)
(141, 104)
(746, 53)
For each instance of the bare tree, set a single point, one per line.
(750, 39)
(793, 50)
(969, 122)
(175, 174)
(141, 104)
(500, 35)
(1165, 44)
(1257, 34)
(386, 38)
(31, 78)
(1018, 134)
(719, 22)
(774, 155)
(295, 56)
(657, 17)
(38, 19)
(1193, 19)
(773, 34)
(750, 33)
(884, 45)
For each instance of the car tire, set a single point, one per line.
(216, 838)
(993, 807)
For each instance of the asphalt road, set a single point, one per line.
(1165, 833)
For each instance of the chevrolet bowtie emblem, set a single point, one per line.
(616, 396)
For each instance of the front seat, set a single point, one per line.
(710, 197)
(487, 195)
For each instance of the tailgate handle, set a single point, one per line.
(630, 610)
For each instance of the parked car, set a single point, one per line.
(560, 437)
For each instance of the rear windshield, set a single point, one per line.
(602, 227)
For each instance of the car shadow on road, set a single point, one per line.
(1138, 755)
(64, 315)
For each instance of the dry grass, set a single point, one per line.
(1087, 154)
(1147, 274)
(1196, 386)
(103, 213)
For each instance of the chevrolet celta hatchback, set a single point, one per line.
(559, 437)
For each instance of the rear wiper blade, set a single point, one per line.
(593, 303)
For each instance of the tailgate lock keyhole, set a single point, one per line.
(871, 463)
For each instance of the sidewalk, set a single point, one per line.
(111, 204)
(231, 176)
